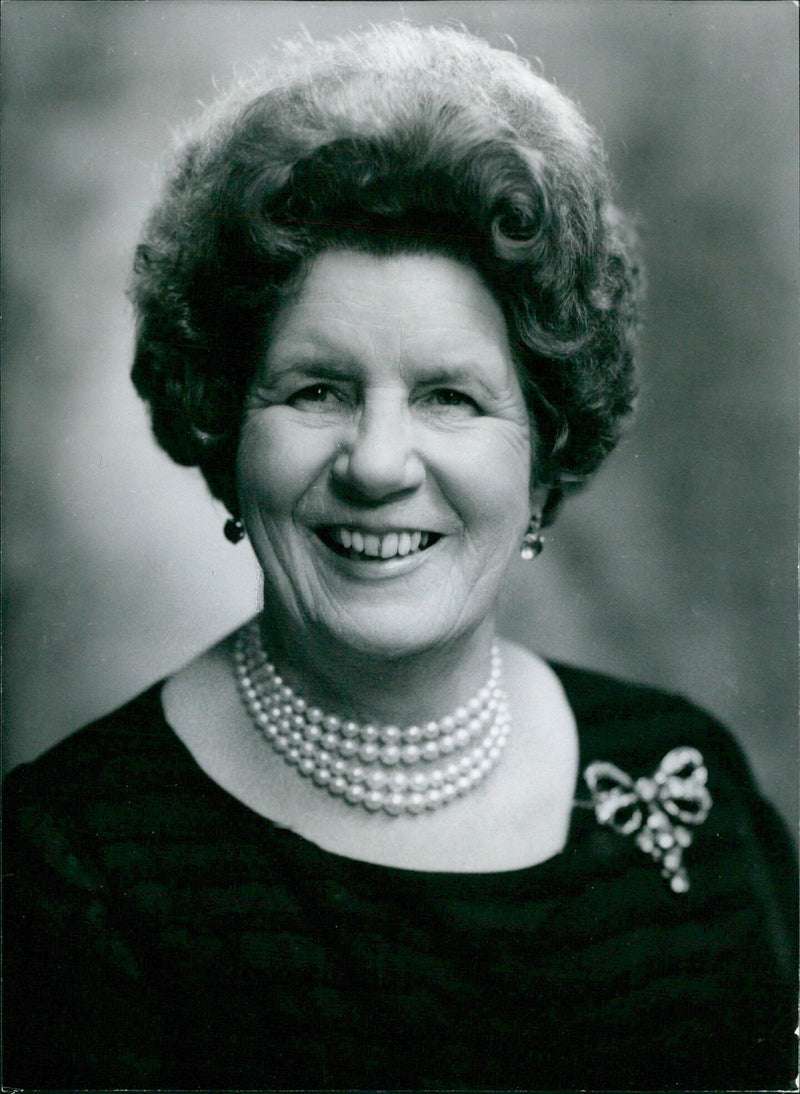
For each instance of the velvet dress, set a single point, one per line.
(159, 934)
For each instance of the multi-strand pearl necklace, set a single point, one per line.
(385, 768)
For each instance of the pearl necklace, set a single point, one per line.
(386, 768)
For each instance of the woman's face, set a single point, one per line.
(384, 465)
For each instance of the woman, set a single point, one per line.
(387, 307)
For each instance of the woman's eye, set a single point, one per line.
(316, 395)
(451, 399)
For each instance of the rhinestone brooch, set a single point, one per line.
(657, 811)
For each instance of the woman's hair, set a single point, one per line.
(399, 139)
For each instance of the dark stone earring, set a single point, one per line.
(234, 530)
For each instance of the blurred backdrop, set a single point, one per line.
(676, 567)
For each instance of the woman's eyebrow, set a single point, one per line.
(313, 363)
(457, 376)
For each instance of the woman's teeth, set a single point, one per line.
(368, 545)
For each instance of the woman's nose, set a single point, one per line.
(379, 457)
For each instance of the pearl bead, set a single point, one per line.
(398, 781)
(373, 800)
(332, 723)
(409, 754)
(369, 752)
(313, 733)
(370, 733)
(322, 776)
(460, 715)
(337, 785)
(306, 766)
(390, 735)
(293, 755)
(350, 729)
(431, 730)
(314, 715)
(394, 804)
(461, 737)
(430, 751)
(357, 774)
(418, 781)
(355, 794)
(446, 745)
(412, 735)
(377, 778)
(447, 724)
(339, 767)
(299, 703)
(390, 755)
(348, 748)
(415, 803)
(434, 797)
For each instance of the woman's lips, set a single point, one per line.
(358, 543)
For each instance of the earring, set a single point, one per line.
(532, 543)
(234, 529)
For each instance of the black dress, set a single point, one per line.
(161, 934)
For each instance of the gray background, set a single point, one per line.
(677, 567)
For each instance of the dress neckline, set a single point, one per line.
(337, 863)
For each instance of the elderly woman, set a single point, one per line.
(387, 308)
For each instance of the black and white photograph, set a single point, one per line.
(400, 430)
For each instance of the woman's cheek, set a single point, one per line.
(487, 469)
(279, 459)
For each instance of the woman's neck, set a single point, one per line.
(402, 690)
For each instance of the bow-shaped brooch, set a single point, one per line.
(657, 810)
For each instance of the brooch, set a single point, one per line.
(656, 810)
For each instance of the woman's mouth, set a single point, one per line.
(371, 546)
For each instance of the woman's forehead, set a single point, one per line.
(407, 303)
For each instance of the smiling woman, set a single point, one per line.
(387, 307)
(332, 473)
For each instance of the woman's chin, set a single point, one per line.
(389, 635)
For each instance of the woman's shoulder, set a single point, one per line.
(105, 758)
(626, 719)
(123, 744)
